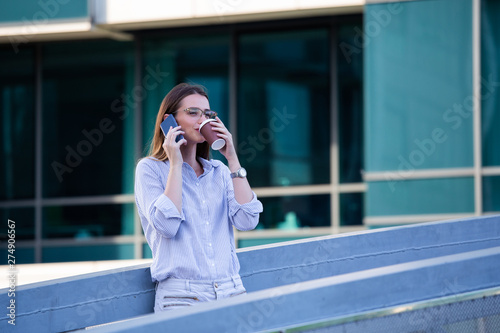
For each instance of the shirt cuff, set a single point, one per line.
(253, 207)
(167, 217)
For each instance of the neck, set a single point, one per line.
(189, 156)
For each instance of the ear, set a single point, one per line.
(165, 116)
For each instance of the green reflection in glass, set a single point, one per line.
(88, 135)
(490, 90)
(283, 107)
(491, 194)
(17, 124)
(87, 222)
(198, 59)
(420, 196)
(293, 212)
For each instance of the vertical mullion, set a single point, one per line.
(334, 136)
(138, 246)
(38, 153)
(233, 103)
(476, 86)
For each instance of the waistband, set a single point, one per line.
(235, 280)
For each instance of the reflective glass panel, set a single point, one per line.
(17, 124)
(420, 196)
(292, 212)
(283, 107)
(24, 221)
(351, 208)
(490, 83)
(88, 253)
(350, 104)
(88, 222)
(88, 137)
(418, 84)
(491, 194)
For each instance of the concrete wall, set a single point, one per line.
(396, 265)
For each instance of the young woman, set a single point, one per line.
(188, 205)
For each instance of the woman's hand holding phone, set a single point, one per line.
(173, 140)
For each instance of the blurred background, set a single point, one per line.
(347, 114)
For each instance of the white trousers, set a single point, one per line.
(176, 293)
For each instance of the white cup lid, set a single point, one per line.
(205, 122)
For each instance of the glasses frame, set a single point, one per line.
(203, 112)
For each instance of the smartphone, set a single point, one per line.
(165, 126)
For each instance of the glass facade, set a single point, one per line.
(339, 120)
(283, 107)
(88, 137)
(415, 118)
(17, 124)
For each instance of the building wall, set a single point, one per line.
(344, 120)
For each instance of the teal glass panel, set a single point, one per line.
(146, 251)
(88, 253)
(24, 222)
(420, 196)
(490, 83)
(265, 241)
(197, 58)
(350, 104)
(31, 14)
(491, 194)
(283, 107)
(88, 137)
(293, 212)
(418, 84)
(87, 222)
(23, 255)
(351, 209)
(17, 124)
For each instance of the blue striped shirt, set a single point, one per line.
(198, 243)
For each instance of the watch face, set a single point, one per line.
(243, 172)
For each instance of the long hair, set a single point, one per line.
(170, 104)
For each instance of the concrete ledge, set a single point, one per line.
(98, 298)
(335, 296)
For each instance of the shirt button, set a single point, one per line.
(197, 184)
(213, 264)
(207, 223)
(209, 244)
(216, 285)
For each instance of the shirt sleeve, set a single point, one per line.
(243, 216)
(152, 204)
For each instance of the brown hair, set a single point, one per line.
(170, 104)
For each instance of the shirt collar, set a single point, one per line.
(207, 165)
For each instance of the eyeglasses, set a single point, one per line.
(197, 113)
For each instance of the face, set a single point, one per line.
(189, 123)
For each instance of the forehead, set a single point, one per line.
(195, 100)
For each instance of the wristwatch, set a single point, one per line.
(240, 173)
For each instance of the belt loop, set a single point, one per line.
(188, 286)
(156, 285)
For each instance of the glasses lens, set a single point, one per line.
(210, 114)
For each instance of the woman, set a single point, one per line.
(189, 204)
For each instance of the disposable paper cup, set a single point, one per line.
(211, 136)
